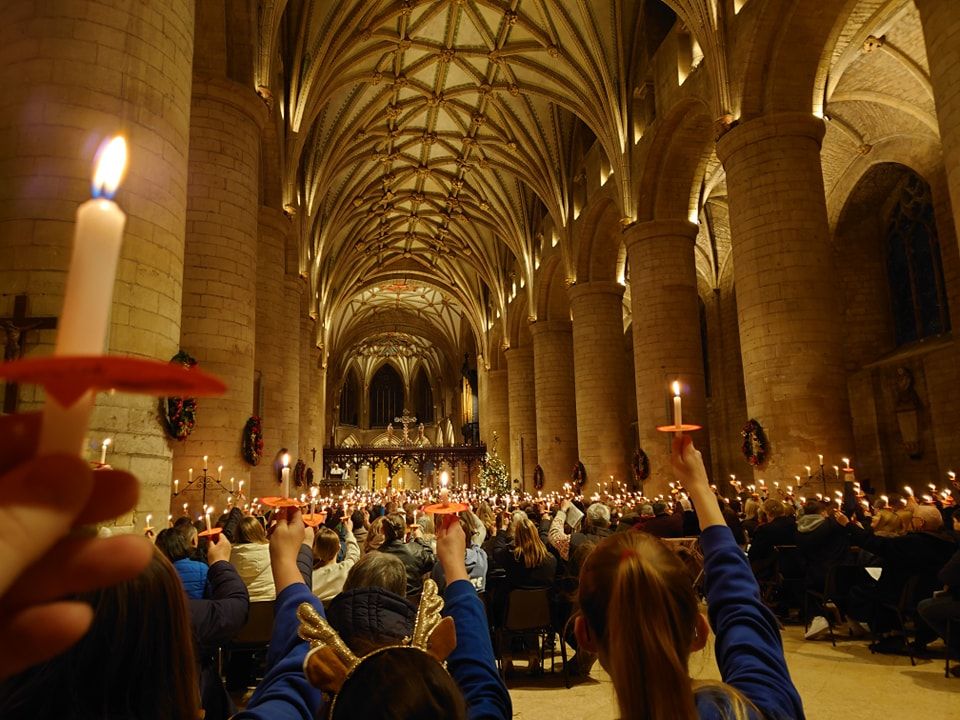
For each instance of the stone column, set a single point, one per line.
(307, 367)
(666, 337)
(498, 412)
(522, 412)
(556, 400)
(73, 73)
(271, 308)
(601, 376)
(290, 358)
(941, 30)
(787, 302)
(220, 270)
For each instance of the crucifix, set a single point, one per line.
(406, 420)
(14, 329)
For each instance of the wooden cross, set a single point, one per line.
(14, 329)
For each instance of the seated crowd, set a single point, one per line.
(620, 594)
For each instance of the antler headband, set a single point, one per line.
(330, 663)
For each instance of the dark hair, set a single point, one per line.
(172, 543)
(420, 689)
(377, 569)
(394, 528)
(326, 546)
(813, 507)
(137, 659)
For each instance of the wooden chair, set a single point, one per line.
(529, 612)
(255, 635)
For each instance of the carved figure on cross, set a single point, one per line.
(406, 420)
(14, 331)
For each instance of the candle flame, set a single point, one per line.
(444, 478)
(676, 388)
(110, 167)
(285, 459)
(106, 442)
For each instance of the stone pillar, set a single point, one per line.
(601, 376)
(220, 270)
(522, 412)
(787, 302)
(290, 359)
(498, 412)
(71, 79)
(556, 401)
(666, 337)
(941, 31)
(307, 365)
(271, 308)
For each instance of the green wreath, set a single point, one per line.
(178, 415)
(641, 465)
(252, 446)
(754, 446)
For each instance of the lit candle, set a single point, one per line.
(932, 487)
(820, 460)
(807, 468)
(204, 464)
(176, 486)
(209, 527)
(444, 492)
(885, 499)
(285, 476)
(314, 491)
(82, 328)
(146, 523)
(189, 475)
(908, 490)
(836, 471)
(185, 509)
(952, 475)
(170, 520)
(677, 408)
(241, 487)
(229, 501)
(220, 474)
(231, 485)
(846, 465)
(103, 450)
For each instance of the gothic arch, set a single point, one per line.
(552, 300)
(598, 239)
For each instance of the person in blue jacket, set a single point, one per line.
(640, 614)
(285, 693)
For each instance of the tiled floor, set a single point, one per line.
(839, 683)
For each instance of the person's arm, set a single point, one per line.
(748, 646)
(949, 574)
(285, 693)
(220, 617)
(353, 551)
(557, 537)
(471, 664)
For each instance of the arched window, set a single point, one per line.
(350, 400)
(914, 269)
(386, 396)
(422, 397)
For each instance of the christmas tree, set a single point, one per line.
(494, 479)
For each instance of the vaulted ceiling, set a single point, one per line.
(434, 135)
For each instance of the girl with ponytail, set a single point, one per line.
(639, 612)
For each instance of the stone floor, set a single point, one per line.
(839, 683)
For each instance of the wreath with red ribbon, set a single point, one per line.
(641, 465)
(579, 475)
(179, 414)
(538, 478)
(755, 447)
(253, 441)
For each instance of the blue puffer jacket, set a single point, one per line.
(371, 616)
(193, 574)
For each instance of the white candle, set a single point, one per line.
(444, 492)
(209, 527)
(836, 471)
(241, 487)
(146, 523)
(189, 475)
(170, 520)
(807, 468)
(231, 484)
(176, 486)
(820, 458)
(846, 465)
(285, 476)
(314, 491)
(204, 464)
(908, 490)
(185, 505)
(677, 407)
(220, 474)
(103, 450)
(88, 295)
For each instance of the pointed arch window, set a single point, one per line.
(423, 397)
(350, 400)
(386, 396)
(918, 296)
